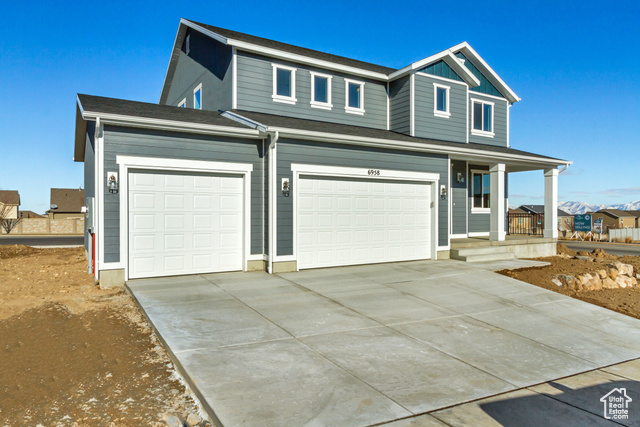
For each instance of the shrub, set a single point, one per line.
(628, 240)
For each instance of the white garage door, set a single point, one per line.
(184, 224)
(347, 222)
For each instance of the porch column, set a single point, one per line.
(551, 203)
(497, 214)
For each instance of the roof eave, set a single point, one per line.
(81, 132)
(446, 56)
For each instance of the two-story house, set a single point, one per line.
(264, 155)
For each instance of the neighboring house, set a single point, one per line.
(9, 203)
(565, 219)
(637, 215)
(264, 155)
(615, 218)
(66, 203)
(30, 214)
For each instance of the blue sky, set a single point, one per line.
(573, 64)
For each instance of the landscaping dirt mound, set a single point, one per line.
(74, 354)
(626, 301)
(563, 250)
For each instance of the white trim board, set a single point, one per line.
(125, 163)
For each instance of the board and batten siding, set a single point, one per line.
(427, 124)
(173, 145)
(209, 63)
(459, 197)
(499, 120)
(295, 151)
(400, 106)
(255, 88)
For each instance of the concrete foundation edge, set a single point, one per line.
(285, 266)
(256, 265)
(111, 278)
(443, 255)
(533, 250)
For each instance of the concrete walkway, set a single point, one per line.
(367, 345)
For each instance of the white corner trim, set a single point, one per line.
(347, 108)
(508, 119)
(388, 108)
(479, 234)
(412, 105)
(234, 100)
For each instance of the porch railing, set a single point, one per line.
(524, 223)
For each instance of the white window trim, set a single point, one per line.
(353, 110)
(317, 104)
(475, 210)
(447, 113)
(197, 88)
(279, 98)
(183, 103)
(493, 114)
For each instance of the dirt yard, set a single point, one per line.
(625, 301)
(74, 354)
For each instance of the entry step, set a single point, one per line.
(479, 254)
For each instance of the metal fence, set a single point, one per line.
(524, 223)
(623, 233)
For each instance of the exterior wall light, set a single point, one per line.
(112, 182)
(443, 191)
(286, 189)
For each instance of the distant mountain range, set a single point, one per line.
(582, 207)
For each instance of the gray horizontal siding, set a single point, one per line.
(480, 222)
(209, 63)
(292, 151)
(173, 145)
(458, 198)
(255, 88)
(427, 125)
(400, 105)
(89, 179)
(499, 121)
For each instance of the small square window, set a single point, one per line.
(321, 91)
(354, 97)
(284, 84)
(441, 101)
(197, 97)
(482, 115)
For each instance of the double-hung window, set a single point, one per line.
(284, 84)
(320, 91)
(481, 191)
(482, 116)
(354, 96)
(197, 97)
(441, 100)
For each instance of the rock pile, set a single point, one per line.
(612, 276)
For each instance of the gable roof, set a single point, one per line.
(616, 213)
(9, 197)
(67, 199)
(29, 214)
(539, 209)
(272, 48)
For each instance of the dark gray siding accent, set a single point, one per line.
(427, 125)
(441, 69)
(208, 62)
(499, 121)
(485, 85)
(458, 198)
(400, 105)
(293, 151)
(174, 145)
(89, 178)
(255, 88)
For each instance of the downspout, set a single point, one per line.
(274, 136)
(564, 168)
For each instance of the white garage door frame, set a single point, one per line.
(125, 163)
(298, 169)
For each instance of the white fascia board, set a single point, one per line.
(481, 64)
(463, 151)
(446, 56)
(117, 119)
(203, 30)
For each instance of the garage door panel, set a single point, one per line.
(184, 224)
(371, 221)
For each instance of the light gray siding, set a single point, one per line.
(499, 120)
(400, 106)
(255, 88)
(478, 222)
(173, 145)
(427, 124)
(208, 62)
(292, 151)
(459, 198)
(89, 179)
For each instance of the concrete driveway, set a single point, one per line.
(366, 345)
